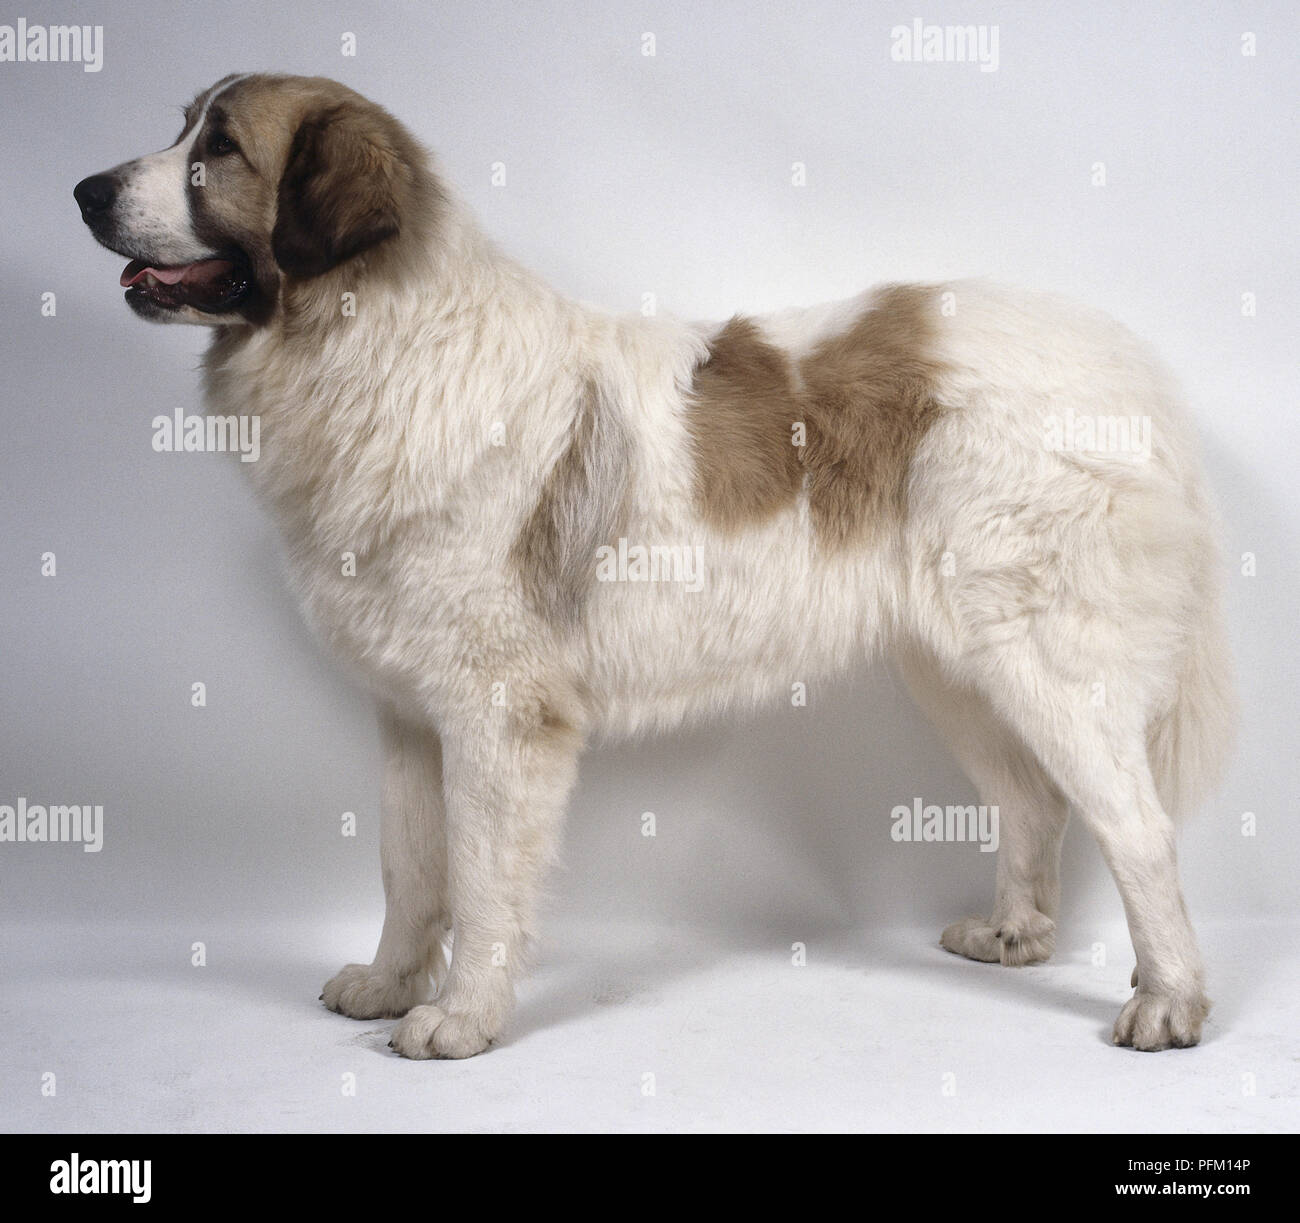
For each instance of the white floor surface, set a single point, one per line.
(670, 1029)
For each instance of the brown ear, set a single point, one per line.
(340, 191)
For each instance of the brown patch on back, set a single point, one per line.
(746, 403)
(865, 397)
(578, 511)
(869, 399)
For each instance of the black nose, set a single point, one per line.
(95, 194)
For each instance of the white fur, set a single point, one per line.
(153, 202)
(1027, 583)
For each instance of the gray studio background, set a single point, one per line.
(626, 174)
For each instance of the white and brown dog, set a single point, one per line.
(456, 454)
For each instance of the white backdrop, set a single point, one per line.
(626, 174)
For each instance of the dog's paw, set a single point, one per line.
(972, 937)
(1152, 1021)
(1014, 942)
(361, 992)
(429, 1031)
(1026, 940)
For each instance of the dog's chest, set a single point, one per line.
(384, 570)
(402, 616)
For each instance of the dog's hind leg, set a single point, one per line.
(1031, 820)
(1096, 753)
(413, 855)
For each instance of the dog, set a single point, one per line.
(486, 491)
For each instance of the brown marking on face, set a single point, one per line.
(745, 405)
(579, 510)
(345, 188)
(318, 175)
(865, 398)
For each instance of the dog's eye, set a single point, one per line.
(220, 145)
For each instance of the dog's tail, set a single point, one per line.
(1189, 743)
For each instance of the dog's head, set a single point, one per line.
(273, 179)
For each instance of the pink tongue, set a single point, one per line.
(174, 275)
(135, 270)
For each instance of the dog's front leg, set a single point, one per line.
(413, 854)
(506, 788)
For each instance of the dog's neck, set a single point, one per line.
(441, 263)
(496, 339)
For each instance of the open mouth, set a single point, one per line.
(210, 285)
